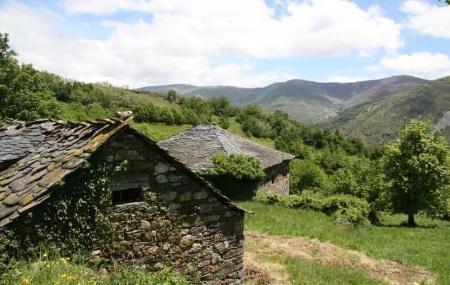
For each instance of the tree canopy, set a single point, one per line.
(418, 168)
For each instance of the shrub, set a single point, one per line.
(344, 209)
(237, 175)
(306, 174)
(238, 166)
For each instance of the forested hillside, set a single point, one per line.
(381, 120)
(306, 101)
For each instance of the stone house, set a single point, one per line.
(162, 213)
(196, 148)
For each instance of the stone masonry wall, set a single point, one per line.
(276, 180)
(178, 223)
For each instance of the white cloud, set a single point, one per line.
(422, 64)
(428, 19)
(196, 41)
(106, 7)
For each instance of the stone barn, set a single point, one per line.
(196, 148)
(162, 213)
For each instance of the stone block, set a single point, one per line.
(161, 168)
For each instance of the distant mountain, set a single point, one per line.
(307, 101)
(380, 120)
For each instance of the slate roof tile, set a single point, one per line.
(37, 155)
(196, 147)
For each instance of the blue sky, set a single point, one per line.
(230, 42)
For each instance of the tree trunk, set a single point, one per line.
(373, 217)
(411, 221)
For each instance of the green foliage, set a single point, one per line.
(418, 168)
(221, 106)
(345, 209)
(364, 179)
(171, 96)
(48, 269)
(152, 113)
(197, 108)
(237, 166)
(306, 174)
(73, 219)
(237, 176)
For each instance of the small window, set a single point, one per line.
(127, 196)
(273, 179)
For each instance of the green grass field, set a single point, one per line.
(64, 271)
(236, 129)
(160, 132)
(427, 246)
(306, 272)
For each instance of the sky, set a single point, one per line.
(245, 43)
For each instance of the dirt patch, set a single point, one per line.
(390, 271)
(259, 271)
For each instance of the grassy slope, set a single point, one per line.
(63, 271)
(307, 272)
(423, 246)
(382, 120)
(160, 132)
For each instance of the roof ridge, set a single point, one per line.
(215, 129)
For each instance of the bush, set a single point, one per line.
(237, 176)
(237, 166)
(344, 209)
(306, 174)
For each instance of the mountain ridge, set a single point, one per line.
(307, 101)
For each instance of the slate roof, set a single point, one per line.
(196, 147)
(37, 155)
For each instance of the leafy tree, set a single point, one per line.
(221, 106)
(306, 174)
(418, 168)
(364, 179)
(172, 96)
(6, 53)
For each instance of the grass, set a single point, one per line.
(310, 272)
(160, 132)
(235, 128)
(62, 271)
(426, 245)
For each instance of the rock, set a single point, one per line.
(12, 199)
(168, 196)
(96, 252)
(174, 206)
(161, 168)
(174, 178)
(184, 197)
(200, 195)
(187, 241)
(145, 225)
(161, 179)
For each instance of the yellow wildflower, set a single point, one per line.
(25, 281)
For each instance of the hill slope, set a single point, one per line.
(382, 119)
(307, 101)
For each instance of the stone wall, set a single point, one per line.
(276, 180)
(178, 222)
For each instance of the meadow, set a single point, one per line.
(424, 246)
